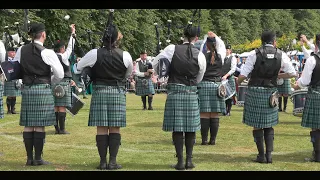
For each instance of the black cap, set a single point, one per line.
(10, 49)
(228, 46)
(236, 56)
(268, 37)
(58, 44)
(190, 31)
(36, 28)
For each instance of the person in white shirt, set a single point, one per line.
(37, 104)
(306, 52)
(310, 78)
(181, 115)
(259, 112)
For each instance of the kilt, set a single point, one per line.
(142, 90)
(66, 99)
(232, 83)
(257, 111)
(285, 88)
(209, 99)
(1, 101)
(10, 90)
(182, 112)
(37, 106)
(311, 111)
(108, 106)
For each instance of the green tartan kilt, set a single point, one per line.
(311, 111)
(232, 84)
(209, 99)
(37, 106)
(10, 89)
(182, 112)
(144, 89)
(67, 98)
(285, 88)
(257, 111)
(1, 100)
(108, 106)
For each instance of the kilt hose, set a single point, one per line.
(67, 98)
(311, 111)
(10, 89)
(37, 106)
(209, 99)
(285, 88)
(108, 106)
(1, 100)
(257, 111)
(182, 112)
(144, 89)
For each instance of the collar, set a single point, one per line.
(38, 42)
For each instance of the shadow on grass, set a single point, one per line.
(289, 122)
(283, 134)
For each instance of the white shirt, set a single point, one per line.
(306, 75)
(307, 52)
(65, 56)
(168, 54)
(90, 59)
(50, 58)
(286, 64)
(2, 52)
(233, 65)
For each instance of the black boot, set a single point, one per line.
(38, 142)
(268, 138)
(62, 123)
(144, 102)
(57, 122)
(114, 143)
(178, 144)
(150, 102)
(285, 102)
(214, 127)
(317, 146)
(102, 145)
(189, 143)
(13, 104)
(280, 102)
(28, 143)
(9, 105)
(313, 141)
(258, 139)
(229, 105)
(205, 124)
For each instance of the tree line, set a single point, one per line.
(240, 28)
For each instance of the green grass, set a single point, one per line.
(145, 147)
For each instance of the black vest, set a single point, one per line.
(315, 78)
(144, 67)
(213, 71)
(266, 69)
(182, 69)
(237, 73)
(109, 68)
(226, 65)
(66, 69)
(33, 69)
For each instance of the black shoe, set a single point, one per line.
(13, 112)
(114, 166)
(40, 162)
(280, 110)
(268, 159)
(204, 143)
(144, 108)
(56, 132)
(212, 142)
(63, 132)
(150, 108)
(178, 166)
(260, 159)
(29, 163)
(9, 112)
(102, 166)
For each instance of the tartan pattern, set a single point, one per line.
(209, 99)
(37, 108)
(67, 98)
(1, 101)
(108, 106)
(285, 88)
(232, 83)
(10, 89)
(311, 111)
(182, 112)
(257, 111)
(141, 90)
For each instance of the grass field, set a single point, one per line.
(145, 147)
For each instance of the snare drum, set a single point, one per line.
(241, 95)
(229, 91)
(298, 98)
(76, 105)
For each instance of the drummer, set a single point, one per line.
(284, 90)
(311, 77)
